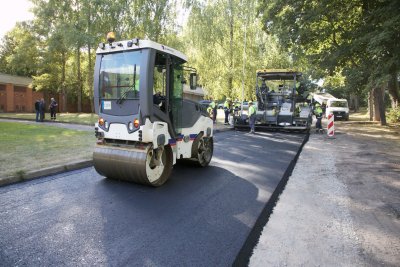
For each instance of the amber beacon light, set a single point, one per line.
(111, 37)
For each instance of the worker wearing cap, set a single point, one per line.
(252, 116)
(227, 107)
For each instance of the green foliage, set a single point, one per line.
(44, 81)
(57, 48)
(394, 115)
(353, 38)
(19, 53)
(221, 38)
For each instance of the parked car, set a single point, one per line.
(205, 103)
(220, 105)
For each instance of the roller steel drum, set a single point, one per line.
(132, 164)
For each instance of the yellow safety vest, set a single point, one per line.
(252, 110)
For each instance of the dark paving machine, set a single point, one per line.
(281, 102)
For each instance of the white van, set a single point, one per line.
(338, 107)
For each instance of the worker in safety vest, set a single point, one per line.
(227, 108)
(318, 115)
(235, 107)
(209, 111)
(213, 107)
(252, 116)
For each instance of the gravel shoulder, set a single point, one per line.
(341, 206)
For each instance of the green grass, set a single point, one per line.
(80, 118)
(25, 147)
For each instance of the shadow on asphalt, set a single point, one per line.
(189, 221)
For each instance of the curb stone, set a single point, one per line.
(49, 121)
(45, 172)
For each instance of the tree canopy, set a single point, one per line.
(352, 45)
(355, 39)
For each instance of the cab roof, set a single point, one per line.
(137, 44)
(278, 74)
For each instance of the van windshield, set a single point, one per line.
(339, 104)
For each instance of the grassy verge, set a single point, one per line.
(80, 118)
(24, 147)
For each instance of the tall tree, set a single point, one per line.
(19, 53)
(352, 37)
(216, 36)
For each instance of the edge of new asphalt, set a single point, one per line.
(243, 257)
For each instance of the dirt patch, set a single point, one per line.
(371, 172)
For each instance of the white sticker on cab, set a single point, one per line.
(106, 105)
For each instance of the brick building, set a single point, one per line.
(16, 94)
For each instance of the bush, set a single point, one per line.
(394, 115)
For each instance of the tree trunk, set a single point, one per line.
(90, 79)
(63, 91)
(79, 74)
(230, 79)
(379, 105)
(375, 104)
(90, 67)
(393, 88)
(354, 102)
(371, 104)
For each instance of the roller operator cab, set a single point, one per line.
(144, 123)
(281, 102)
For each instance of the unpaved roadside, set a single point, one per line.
(341, 206)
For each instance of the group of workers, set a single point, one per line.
(212, 110)
(230, 107)
(40, 108)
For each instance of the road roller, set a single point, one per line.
(145, 124)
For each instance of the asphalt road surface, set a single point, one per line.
(201, 217)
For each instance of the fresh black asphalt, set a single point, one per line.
(201, 217)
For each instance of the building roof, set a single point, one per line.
(16, 80)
